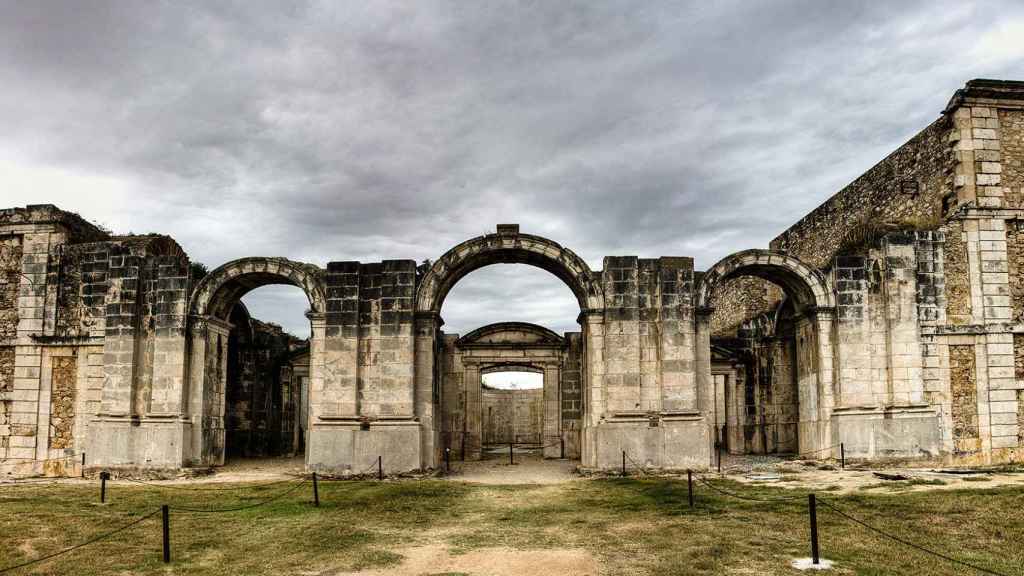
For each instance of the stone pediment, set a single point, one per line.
(511, 334)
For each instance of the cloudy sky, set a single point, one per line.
(364, 130)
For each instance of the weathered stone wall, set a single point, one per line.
(964, 395)
(1011, 123)
(737, 300)
(10, 278)
(513, 416)
(254, 405)
(63, 390)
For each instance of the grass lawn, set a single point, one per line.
(631, 526)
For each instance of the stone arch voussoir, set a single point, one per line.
(508, 248)
(806, 285)
(235, 278)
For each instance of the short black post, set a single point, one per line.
(463, 452)
(511, 459)
(623, 462)
(316, 491)
(83, 464)
(718, 446)
(166, 513)
(103, 486)
(562, 456)
(380, 467)
(447, 460)
(813, 508)
(689, 485)
(842, 455)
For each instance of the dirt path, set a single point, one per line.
(529, 468)
(437, 560)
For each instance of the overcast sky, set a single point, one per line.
(365, 131)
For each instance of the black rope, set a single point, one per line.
(278, 496)
(705, 482)
(77, 546)
(635, 465)
(816, 451)
(207, 489)
(908, 543)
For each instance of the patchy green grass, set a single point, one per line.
(630, 525)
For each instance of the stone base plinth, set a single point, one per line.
(671, 442)
(347, 447)
(151, 442)
(893, 432)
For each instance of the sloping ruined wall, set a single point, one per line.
(905, 190)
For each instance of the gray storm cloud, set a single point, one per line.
(349, 131)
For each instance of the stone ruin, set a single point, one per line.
(889, 319)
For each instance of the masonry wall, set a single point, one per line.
(513, 416)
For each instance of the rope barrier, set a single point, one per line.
(635, 465)
(705, 482)
(908, 543)
(83, 544)
(816, 451)
(278, 496)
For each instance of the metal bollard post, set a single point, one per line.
(842, 455)
(380, 467)
(166, 513)
(511, 459)
(562, 456)
(463, 452)
(316, 491)
(103, 486)
(689, 485)
(623, 462)
(447, 460)
(813, 509)
(83, 464)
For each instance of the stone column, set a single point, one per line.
(823, 321)
(593, 383)
(474, 412)
(552, 411)
(426, 329)
(206, 390)
(702, 366)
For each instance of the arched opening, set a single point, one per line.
(469, 415)
(250, 377)
(769, 324)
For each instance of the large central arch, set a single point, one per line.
(508, 246)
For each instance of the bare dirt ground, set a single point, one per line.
(829, 476)
(529, 467)
(437, 559)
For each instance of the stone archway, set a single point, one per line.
(801, 282)
(814, 303)
(506, 246)
(210, 308)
